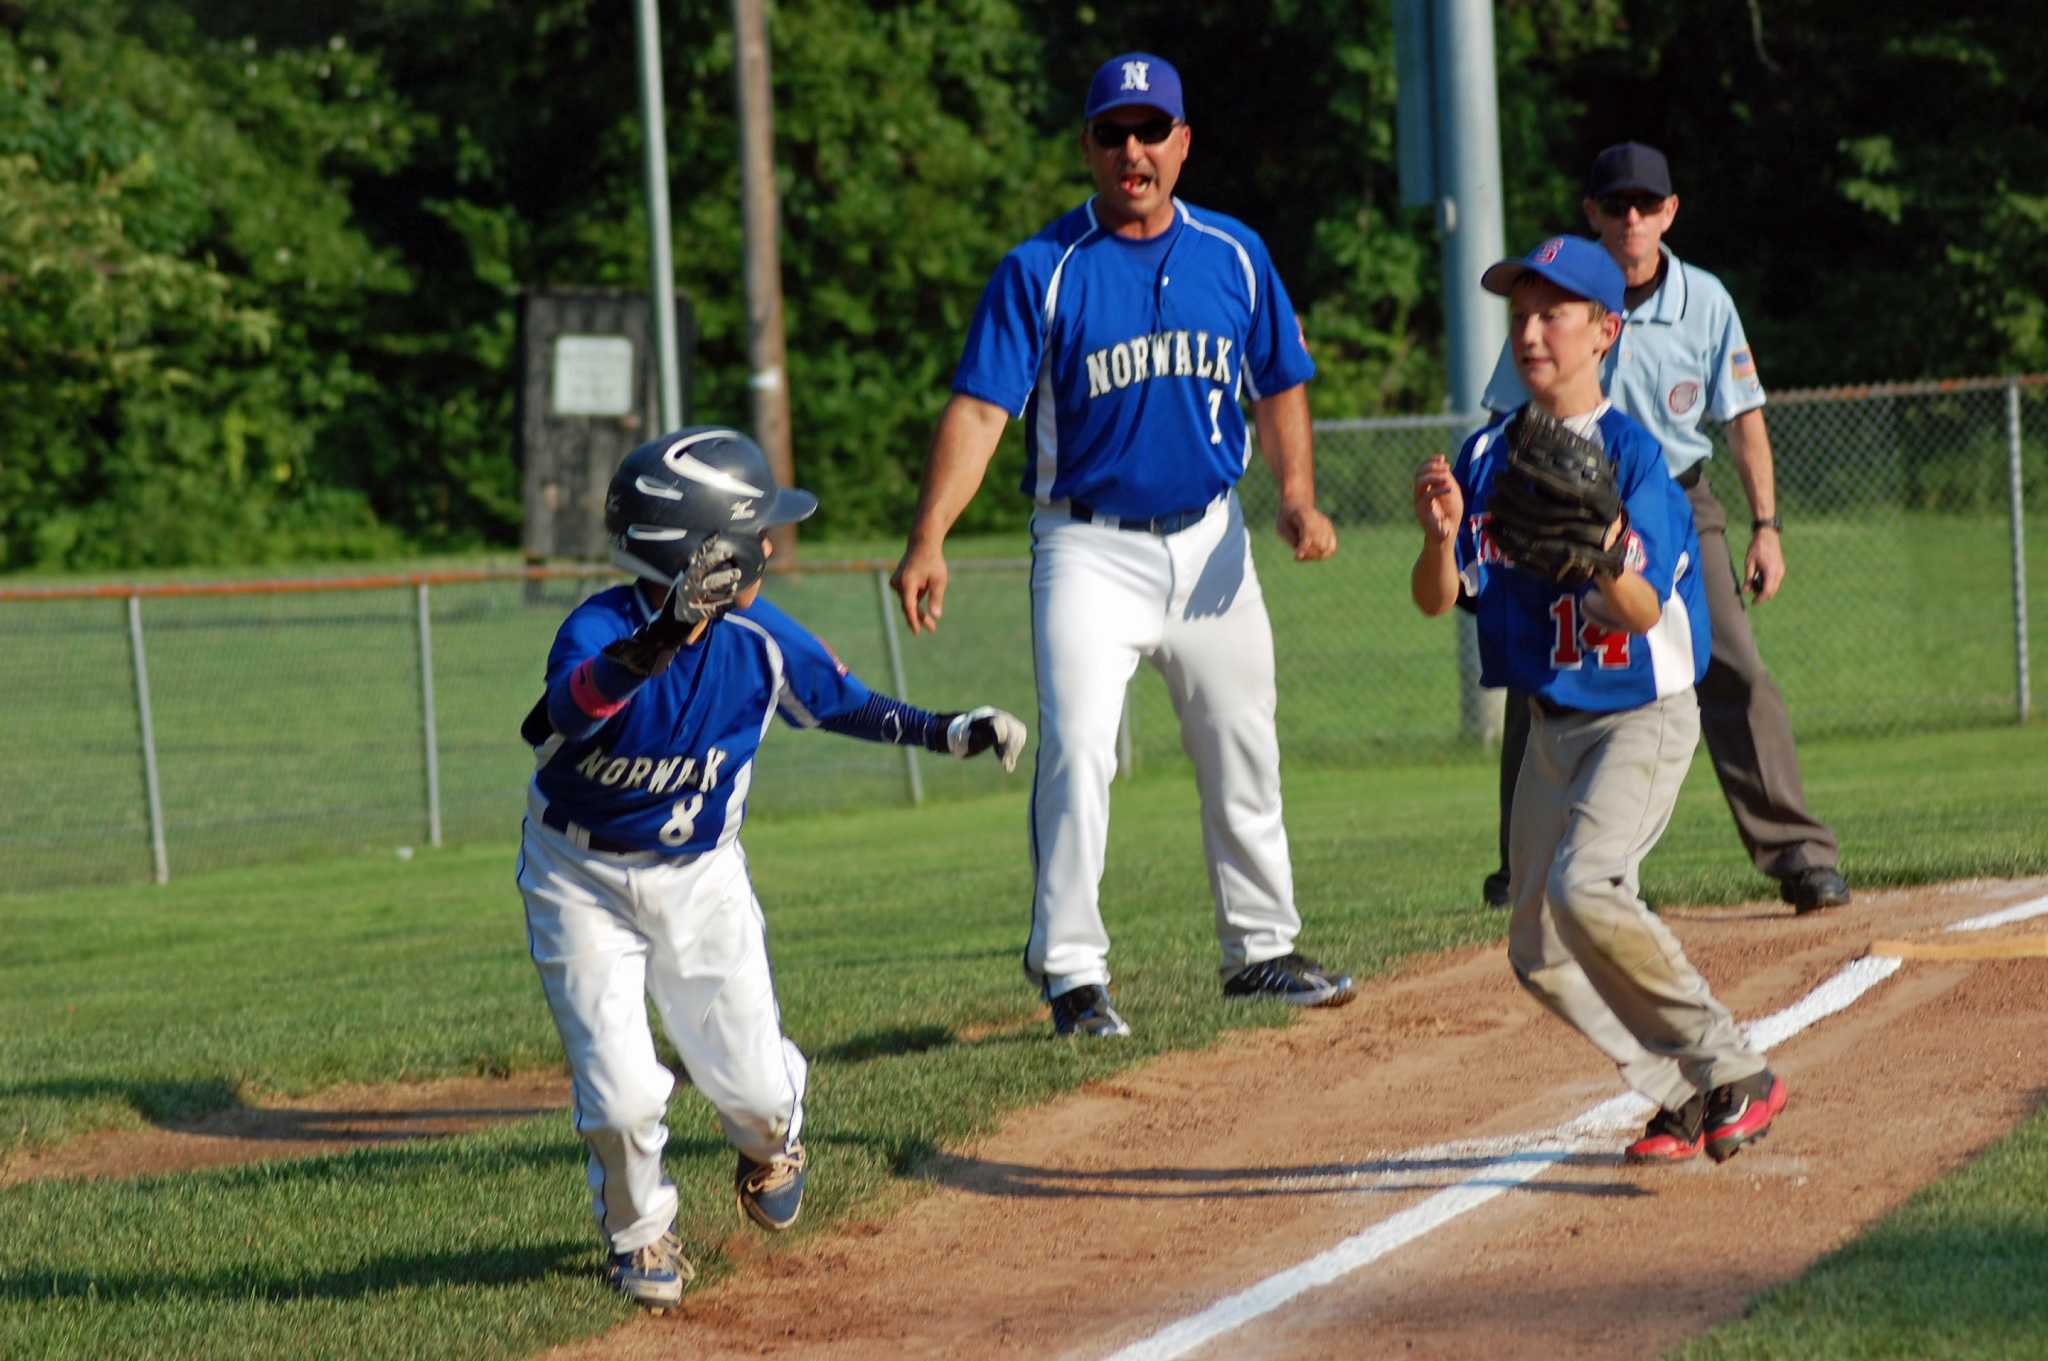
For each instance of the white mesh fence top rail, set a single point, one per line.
(167, 729)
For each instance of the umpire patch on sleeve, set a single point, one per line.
(1742, 363)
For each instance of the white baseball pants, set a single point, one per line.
(606, 931)
(1102, 599)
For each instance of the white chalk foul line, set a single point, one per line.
(1514, 1160)
(1530, 1157)
(2018, 913)
(1503, 1172)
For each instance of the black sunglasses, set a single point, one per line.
(1151, 132)
(1617, 205)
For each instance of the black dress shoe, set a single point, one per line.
(1814, 887)
(1495, 889)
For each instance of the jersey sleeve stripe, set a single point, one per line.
(1244, 257)
(1048, 430)
(1052, 284)
(1048, 433)
(785, 696)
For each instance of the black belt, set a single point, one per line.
(552, 817)
(1173, 522)
(1552, 709)
(1690, 478)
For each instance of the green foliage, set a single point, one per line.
(909, 159)
(184, 275)
(263, 262)
(1855, 181)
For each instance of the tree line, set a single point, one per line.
(260, 264)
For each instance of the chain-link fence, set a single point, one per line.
(1906, 509)
(166, 730)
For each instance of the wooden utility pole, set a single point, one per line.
(759, 222)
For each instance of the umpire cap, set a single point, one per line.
(1630, 165)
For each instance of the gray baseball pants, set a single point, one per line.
(1594, 793)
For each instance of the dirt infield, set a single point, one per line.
(1085, 1228)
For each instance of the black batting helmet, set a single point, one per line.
(675, 492)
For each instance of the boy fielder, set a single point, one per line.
(658, 696)
(1610, 655)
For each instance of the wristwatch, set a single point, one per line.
(1766, 522)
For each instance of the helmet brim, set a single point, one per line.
(790, 505)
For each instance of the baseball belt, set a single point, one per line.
(582, 838)
(1173, 522)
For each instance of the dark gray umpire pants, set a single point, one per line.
(1742, 718)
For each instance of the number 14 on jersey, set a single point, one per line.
(1576, 637)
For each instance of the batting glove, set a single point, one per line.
(977, 730)
(706, 588)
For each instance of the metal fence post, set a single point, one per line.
(150, 786)
(2015, 490)
(912, 775)
(428, 734)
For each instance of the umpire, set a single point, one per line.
(1682, 357)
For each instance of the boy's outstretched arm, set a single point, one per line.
(964, 734)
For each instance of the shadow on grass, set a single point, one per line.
(914, 1039)
(263, 1283)
(365, 1127)
(1978, 1281)
(213, 1108)
(895, 960)
(896, 1041)
(158, 1100)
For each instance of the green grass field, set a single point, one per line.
(895, 934)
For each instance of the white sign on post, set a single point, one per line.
(593, 376)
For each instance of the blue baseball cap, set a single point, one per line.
(1135, 78)
(1573, 263)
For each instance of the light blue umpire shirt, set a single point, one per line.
(1681, 357)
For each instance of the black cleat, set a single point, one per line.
(1813, 888)
(1294, 979)
(1086, 1011)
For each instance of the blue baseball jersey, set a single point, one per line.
(1534, 634)
(1681, 357)
(1127, 359)
(669, 768)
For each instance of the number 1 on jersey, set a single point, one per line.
(1215, 415)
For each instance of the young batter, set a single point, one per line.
(1610, 668)
(1125, 334)
(658, 696)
